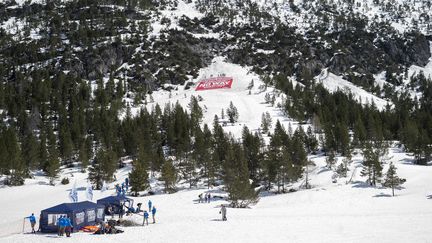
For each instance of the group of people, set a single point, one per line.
(146, 215)
(123, 188)
(64, 225)
(107, 228)
(206, 199)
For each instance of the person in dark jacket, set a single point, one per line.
(153, 214)
(223, 211)
(32, 220)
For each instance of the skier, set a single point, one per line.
(150, 205)
(32, 220)
(127, 183)
(223, 211)
(146, 215)
(208, 198)
(200, 198)
(68, 226)
(153, 214)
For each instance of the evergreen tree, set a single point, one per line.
(372, 168)
(266, 122)
(241, 194)
(331, 159)
(252, 147)
(169, 176)
(31, 152)
(53, 161)
(16, 167)
(103, 167)
(138, 178)
(196, 112)
(311, 141)
(392, 180)
(232, 113)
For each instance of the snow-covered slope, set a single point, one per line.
(329, 212)
(250, 107)
(334, 83)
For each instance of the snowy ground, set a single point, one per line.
(250, 107)
(329, 212)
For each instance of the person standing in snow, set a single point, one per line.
(121, 211)
(150, 205)
(59, 225)
(146, 215)
(223, 211)
(68, 226)
(127, 183)
(208, 198)
(153, 214)
(32, 220)
(200, 198)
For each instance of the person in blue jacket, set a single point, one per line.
(32, 220)
(153, 211)
(146, 215)
(59, 223)
(68, 226)
(150, 205)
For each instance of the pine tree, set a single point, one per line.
(138, 178)
(241, 194)
(250, 86)
(16, 168)
(53, 161)
(196, 112)
(83, 156)
(252, 147)
(372, 168)
(31, 152)
(311, 141)
(103, 167)
(266, 122)
(232, 113)
(392, 180)
(331, 159)
(169, 176)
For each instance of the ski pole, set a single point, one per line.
(23, 225)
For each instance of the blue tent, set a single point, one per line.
(81, 214)
(116, 202)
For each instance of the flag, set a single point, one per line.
(89, 192)
(104, 187)
(73, 194)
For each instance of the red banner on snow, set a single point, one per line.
(215, 83)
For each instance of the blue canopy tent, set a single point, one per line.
(115, 202)
(81, 214)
